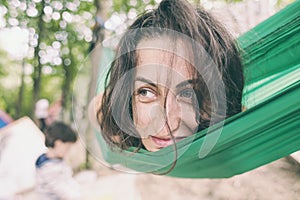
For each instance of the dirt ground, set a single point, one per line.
(279, 180)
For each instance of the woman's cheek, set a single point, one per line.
(149, 119)
(188, 116)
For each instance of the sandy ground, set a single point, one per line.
(278, 180)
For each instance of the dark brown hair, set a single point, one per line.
(59, 131)
(178, 16)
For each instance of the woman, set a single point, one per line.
(176, 72)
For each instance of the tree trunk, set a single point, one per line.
(95, 55)
(70, 72)
(37, 74)
(19, 103)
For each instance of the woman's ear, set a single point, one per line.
(93, 108)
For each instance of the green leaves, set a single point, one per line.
(58, 40)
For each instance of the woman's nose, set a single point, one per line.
(173, 112)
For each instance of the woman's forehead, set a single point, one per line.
(161, 57)
(167, 45)
(161, 67)
(160, 60)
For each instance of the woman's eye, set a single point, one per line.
(146, 95)
(187, 93)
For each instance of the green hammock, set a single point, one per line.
(268, 130)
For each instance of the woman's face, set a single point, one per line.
(164, 99)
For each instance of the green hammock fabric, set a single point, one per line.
(268, 130)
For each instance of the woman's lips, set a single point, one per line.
(164, 142)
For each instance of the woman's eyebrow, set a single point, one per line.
(186, 82)
(142, 79)
(181, 84)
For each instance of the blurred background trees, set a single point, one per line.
(55, 37)
(44, 42)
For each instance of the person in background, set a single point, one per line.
(54, 179)
(41, 112)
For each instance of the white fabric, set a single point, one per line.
(54, 181)
(21, 142)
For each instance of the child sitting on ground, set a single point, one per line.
(54, 176)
